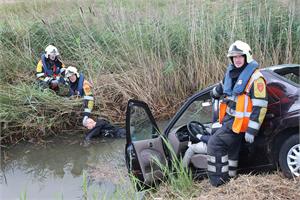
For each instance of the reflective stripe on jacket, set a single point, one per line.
(243, 107)
(84, 89)
(88, 99)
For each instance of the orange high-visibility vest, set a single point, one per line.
(243, 108)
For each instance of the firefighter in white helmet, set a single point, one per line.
(49, 70)
(241, 112)
(81, 87)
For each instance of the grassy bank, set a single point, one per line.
(26, 112)
(158, 51)
(265, 186)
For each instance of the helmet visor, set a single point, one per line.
(235, 53)
(68, 74)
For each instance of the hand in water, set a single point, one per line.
(85, 143)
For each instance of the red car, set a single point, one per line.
(277, 143)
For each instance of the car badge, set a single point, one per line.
(240, 82)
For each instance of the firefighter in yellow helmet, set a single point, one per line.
(241, 113)
(81, 87)
(50, 69)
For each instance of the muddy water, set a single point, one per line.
(54, 169)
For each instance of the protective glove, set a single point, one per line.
(199, 136)
(217, 91)
(85, 121)
(48, 79)
(54, 82)
(249, 138)
(212, 94)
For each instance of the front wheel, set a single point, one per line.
(289, 157)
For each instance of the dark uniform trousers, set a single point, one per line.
(223, 153)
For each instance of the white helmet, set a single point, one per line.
(70, 71)
(240, 48)
(51, 52)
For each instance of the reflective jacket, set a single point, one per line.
(83, 89)
(45, 72)
(246, 102)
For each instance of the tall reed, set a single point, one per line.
(157, 51)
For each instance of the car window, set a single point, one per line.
(292, 77)
(141, 127)
(290, 73)
(199, 110)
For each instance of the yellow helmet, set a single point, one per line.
(70, 71)
(240, 48)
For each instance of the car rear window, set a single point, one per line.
(290, 73)
(292, 77)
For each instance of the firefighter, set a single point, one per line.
(241, 112)
(82, 88)
(50, 70)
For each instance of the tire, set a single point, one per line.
(289, 157)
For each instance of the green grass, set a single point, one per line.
(156, 51)
(176, 178)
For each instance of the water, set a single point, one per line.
(54, 169)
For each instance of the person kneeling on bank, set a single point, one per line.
(50, 69)
(82, 88)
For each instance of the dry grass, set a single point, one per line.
(157, 51)
(259, 187)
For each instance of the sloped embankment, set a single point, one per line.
(269, 186)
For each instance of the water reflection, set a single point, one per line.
(56, 168)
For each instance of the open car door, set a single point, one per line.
(144, 145)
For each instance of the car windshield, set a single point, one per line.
(199, 110)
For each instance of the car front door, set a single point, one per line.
(144, 151)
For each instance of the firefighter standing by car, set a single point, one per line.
(241, 112)
(81, 88)
(50, 69)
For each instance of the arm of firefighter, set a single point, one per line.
(217, 91)
(258, 95)
(40, 74)
(88, 99)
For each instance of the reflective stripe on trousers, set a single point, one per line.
(233, 164)
(214, 165)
